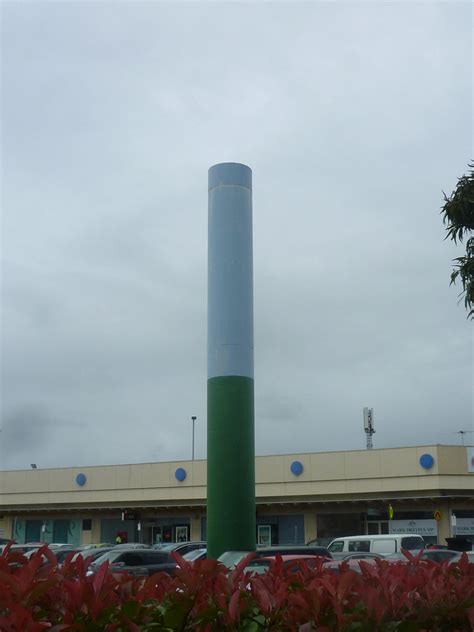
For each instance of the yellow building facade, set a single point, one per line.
(300, 497)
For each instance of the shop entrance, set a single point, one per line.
(60, 531)
(160, 534)
(163, 534)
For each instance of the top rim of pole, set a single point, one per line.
(230, 173)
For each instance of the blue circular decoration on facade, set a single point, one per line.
(426, 461)
(180, 474)
(81, 479)
(296, 468)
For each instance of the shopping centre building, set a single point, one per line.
(300, 497)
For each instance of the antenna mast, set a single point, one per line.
(369, 426)
(462, 433)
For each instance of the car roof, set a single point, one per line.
(286, 558)
(387, 536)
(176, 545)
(289, 548)
(351, 562)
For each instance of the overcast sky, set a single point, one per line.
(353, 117)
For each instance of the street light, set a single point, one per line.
(193, 420)
(462, 433)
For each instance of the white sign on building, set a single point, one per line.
(465, 526)
(470, 459)
(420, 527)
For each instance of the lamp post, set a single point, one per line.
(193, 419)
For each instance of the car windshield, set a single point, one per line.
(190, 556)
(94, 553)
(232, 558)
(257, 567)
(108, 557)
(30, 552)
(336, 547)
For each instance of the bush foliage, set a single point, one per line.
(403, 597)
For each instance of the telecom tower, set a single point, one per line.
(369, 426)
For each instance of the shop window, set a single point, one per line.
(464, 513)
(414, 515)
(87, 524)
(337, 525)
(264, 535)
(181, 533)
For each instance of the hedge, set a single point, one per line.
(383, 596)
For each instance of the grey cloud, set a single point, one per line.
(353, 118)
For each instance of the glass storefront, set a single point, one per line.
(59, 531)
(376, 522)
(152, 530)
(273, 530)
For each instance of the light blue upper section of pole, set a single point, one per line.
(230, 271)
(230, 173)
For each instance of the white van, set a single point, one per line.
(381, 544)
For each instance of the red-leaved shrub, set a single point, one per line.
(380, 596)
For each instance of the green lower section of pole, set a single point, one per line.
(230, 465)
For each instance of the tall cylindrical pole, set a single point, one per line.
(230, 387)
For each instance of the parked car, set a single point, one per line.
(59, 552)
(195, 555)
(232, 558)
(381, 544)
(38, 545)
(261, 565)
(435, 555)
(438, 555)
(132, 545)
(294, 549)
(22, 548)
(134, 561)
(362, 556)
(350, 563)
(63, 552)
(457, 558)
(180, 547)
(320, 542)
(92, 553)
